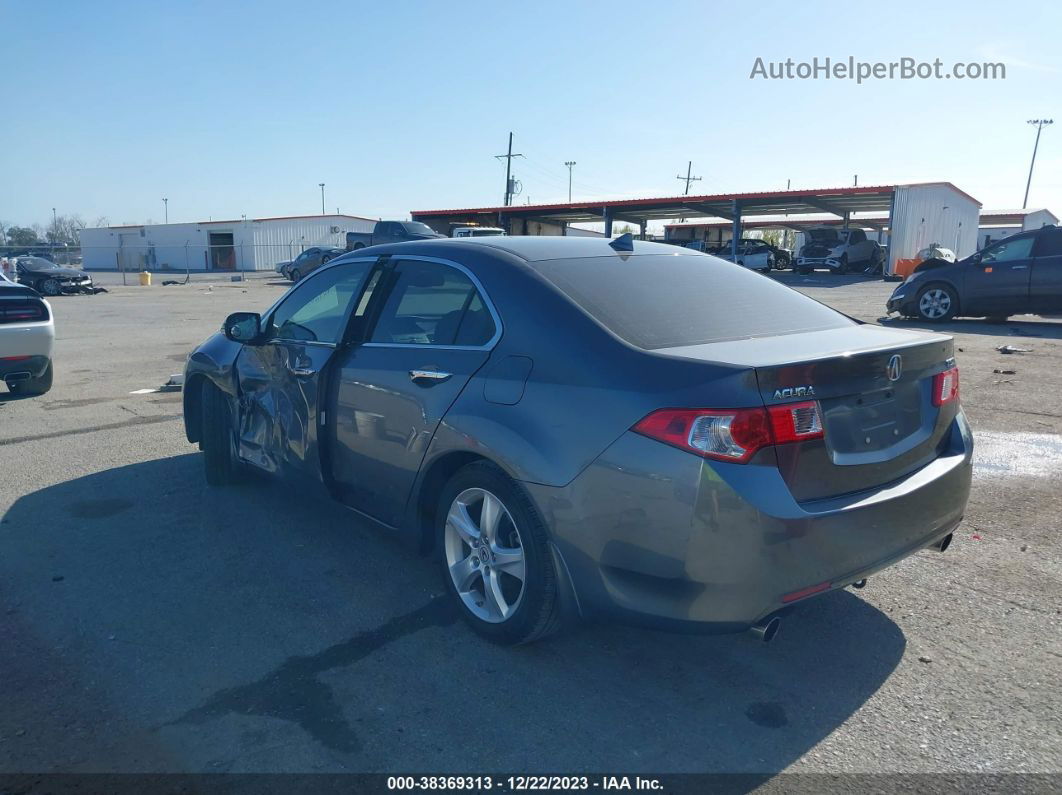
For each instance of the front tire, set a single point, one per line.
(49, 287)
(495, 556)
(217, 439)
(937, 303)
(33, 386)
(296, 275)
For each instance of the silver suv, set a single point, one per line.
(837, 249)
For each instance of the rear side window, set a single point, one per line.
(433, 304)
(664, 301)
(1050, 243)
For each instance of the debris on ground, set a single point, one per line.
(174, 384)
(1005, 372)
(925, 658)
(1012, 349)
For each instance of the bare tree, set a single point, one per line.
(101, 220)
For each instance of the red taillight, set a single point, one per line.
(795, 422)
(732, 434)
(946, 387)
(22, 313)
(13, 358)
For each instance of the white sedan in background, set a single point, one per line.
(26, 336)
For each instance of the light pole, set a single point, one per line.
(1039, 126)
(321, 186)
(166, 205)
(569, 164)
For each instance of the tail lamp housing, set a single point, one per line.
(946, 387)
(733, 435)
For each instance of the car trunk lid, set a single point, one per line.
(874, 390)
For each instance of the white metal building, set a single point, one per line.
(248, 244)
(997, 224)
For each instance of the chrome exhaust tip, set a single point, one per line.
(943, 544)
(766, 630)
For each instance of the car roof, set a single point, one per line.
(533, 248)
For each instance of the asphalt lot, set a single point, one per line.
(150, 623)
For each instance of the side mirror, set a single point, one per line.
(245, 327)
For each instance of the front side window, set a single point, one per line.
(433, 304)
(317, 309)
(1008, 250)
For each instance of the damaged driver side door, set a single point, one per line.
(283, 376)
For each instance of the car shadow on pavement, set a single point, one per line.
(262, 628)
(823, 278)
(1012, 328)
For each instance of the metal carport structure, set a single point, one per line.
(733, 207)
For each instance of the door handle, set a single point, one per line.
(428, 376)
(301, 372)
(1019, 267)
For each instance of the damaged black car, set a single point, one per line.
(47, 278)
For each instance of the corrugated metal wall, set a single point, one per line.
(280, 240)
(927, 214)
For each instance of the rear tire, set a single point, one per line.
(217, 439)
(476, 554)
(33, 386)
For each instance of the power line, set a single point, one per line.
(569, 164)
(1039, 127)
(688, 178)
(508, 170)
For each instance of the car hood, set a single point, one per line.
(62, 273)
(932, 264)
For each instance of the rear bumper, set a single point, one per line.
(33, 365)
(651, 534)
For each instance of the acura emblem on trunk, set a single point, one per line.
(894, 368)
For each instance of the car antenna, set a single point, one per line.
(624, 242)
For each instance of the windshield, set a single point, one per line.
(417, 228)
(664, 301)
(38, 264)
(824, 235)
(486, 232)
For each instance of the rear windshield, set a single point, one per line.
(664, 301)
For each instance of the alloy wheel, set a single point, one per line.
(934, 304)
(484, 555)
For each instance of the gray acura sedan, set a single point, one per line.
(578, 426)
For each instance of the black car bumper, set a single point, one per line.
(14, 366)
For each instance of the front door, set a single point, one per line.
(434, 331)
(284, 378)
(1045, 289)
(999, 280)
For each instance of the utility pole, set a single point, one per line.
(855, 180)
(166, 205)
(321, 186)
(1039, 127)
(569, 164)
(508, 170)
(688, 178)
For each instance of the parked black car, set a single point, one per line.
(310, 259)
(1017, 275)
(48, 278)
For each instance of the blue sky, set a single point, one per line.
(243, 108)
